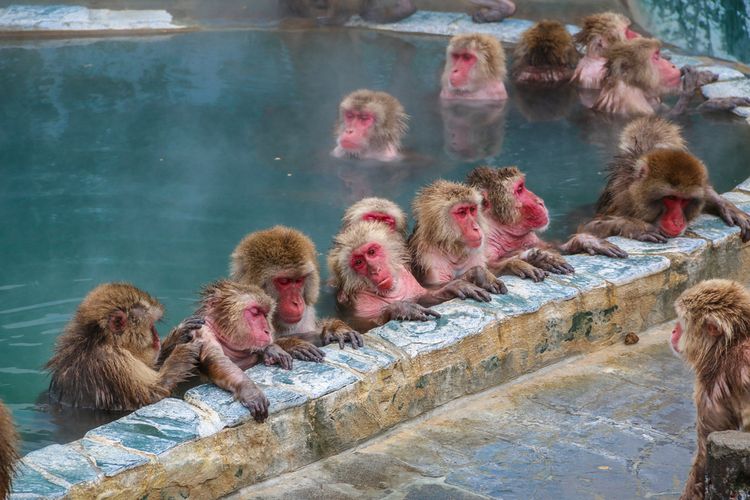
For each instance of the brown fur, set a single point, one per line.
(546, 49)
(390, 118)
(496, 184)
(488, 50)
(599, 31)
(651, 132)
(355, 213)
(431, 208)
(629, 62)
(96, 367)
(8, 450)
(715, 316)
(343, 278)
(279, 251)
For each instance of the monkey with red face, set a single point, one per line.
(712, 335)
(376, 210)
(474, 69)
(370, 126)
(448, 238)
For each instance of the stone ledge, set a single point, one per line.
(728, 465)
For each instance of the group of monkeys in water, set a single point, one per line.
(465, 235)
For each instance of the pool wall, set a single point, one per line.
(207, 444)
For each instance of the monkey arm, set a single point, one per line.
(729, 213)
(517, 266)
(302, 345)
(335, 330)
(181, 334)
(404, 310)
(548, 260)
(456, 289)
(482, 277)
(627, 227)
(590, 244)
(179, 365)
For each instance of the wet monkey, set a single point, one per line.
(283, 262)
(599, 32)
(448, 238)
(8, 450)
(474, 69)
(712, 335)
(369, 267)
(545, 55)
(106, 358)
(376, 210)
(492, 11)
(370, 125)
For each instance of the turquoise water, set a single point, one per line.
(148, 159)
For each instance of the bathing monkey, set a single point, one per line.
(8, 450)
(283, 262)
(712, 335)
(106, 359)
(545, 55)
(599, 32)
(474, 69)
(492, 11)
(376, 210)
(371, 126)
(448, 239)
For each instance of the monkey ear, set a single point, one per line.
(485, 199)
(641, 168)
(117, 321)
(712, 327)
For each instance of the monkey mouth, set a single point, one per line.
(385, 284)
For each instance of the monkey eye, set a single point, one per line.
(670, 198)
(473, 210)
(371, 252)
(284, 281)
(255, 311)
(467, 57)
(520, 188)
(349, 115)
(299, 281)
(358, 262)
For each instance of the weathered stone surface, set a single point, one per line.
(313, 379)
(674, 245)
(365, 359)
(725, 73)
(64, 462)
(231, 412)
(28, 483)
(743, 111)
(155, 428)
(744, 186)
(712, 229)
(525, 296)
(732, 88)
(619, 271)
(109, 458)
(728, 465)
(582, 281)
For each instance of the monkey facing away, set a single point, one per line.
(283, 262)
(712, 335)
(599, 32)
(106, 357)
(545, 55)
(371, 126)
(474, 69)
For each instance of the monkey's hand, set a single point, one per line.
(407, 311)
(729, 213)
(340, 332)
(481, 277)
(254, 400)
(523, 269)
(643, 231)
(552, 262)
(693, 79)
(723, 103)
(301, 349)
(186, 330)
(273, 354)
(460, 289)
(592, 245)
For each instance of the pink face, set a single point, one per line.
(461, 65)
(533, 212)
(358, 125)
(669, 74)
(259, 335)
(291, 303)
(465, 215)
(675, 338)
(380, 217)
(673, 221)
(370, 260)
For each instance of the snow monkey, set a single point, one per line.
(712, 335)
(370, 126)
(514, 214)
(598, 33)
(376, 210)
(106, 358)
(545, 55)
(369, 267)
(492, 11)
(474, 69)
(448, 238)
(283, 262)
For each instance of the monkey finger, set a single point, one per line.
(431, 312)
(286, 361)
(355, 339)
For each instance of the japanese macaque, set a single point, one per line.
(371, 126)
(8, 450)
(474, 69)
(492, 11)
(514, 215)
(545, 55)
(598, 33)
(473, 131)
(283, 262)
(106, 359)
(712, 335)
(448, 239)
(376, 210)
(337, 12)
(369, 266)
(652, 132)
(635, 77)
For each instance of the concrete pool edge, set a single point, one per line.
(207, 445)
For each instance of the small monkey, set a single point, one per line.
(474, 69)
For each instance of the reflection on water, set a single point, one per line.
(719, 28)
(148, 159)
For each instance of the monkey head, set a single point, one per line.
(366, 256)
(638, 63)
(546, 45)
(238, 314)
(283, 262)
(471, 61)
(711, 317)
(506, 200)
(121, 315)
(670, 186)
(650, 132)
(376, 210)
(369, 121)
(600, 31)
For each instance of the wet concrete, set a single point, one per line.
(615, 424)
